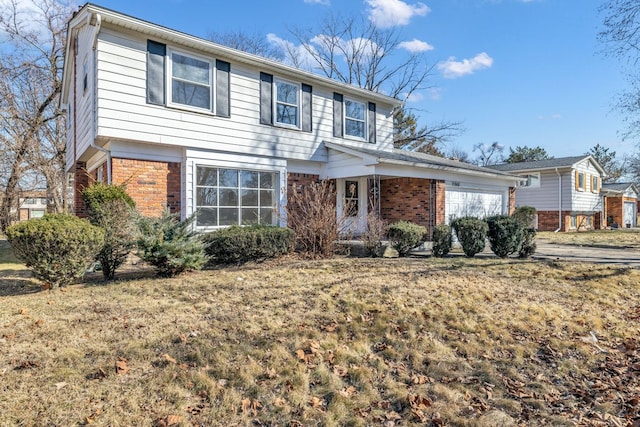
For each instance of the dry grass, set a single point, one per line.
(621, 238)
(344, 342)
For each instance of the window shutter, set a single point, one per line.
(577, 180)
(337, 115)
(372, 123)
(223, 103)
(156, 59)
(266, 99)
(307, 113)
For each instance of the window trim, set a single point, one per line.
(573, 222)
(169, 81)
(298, 106)
(584, 181)
(365, 111)
(595, 184)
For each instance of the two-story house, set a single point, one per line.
(564, 191)
(206, 129)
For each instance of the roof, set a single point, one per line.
(559, 163)
(619, 187)
(411, 158)
(91, 12)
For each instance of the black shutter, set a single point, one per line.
(223, 104)
(372, 123)
(307, 113)
(266, 99)
(156, 59)
(337, 115)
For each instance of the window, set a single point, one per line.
(354, 118)
(574, 221)
(532, 180)
(580, 181)
(191, 81)
(85, 76)
(287, 103)
(30, 201)
(588, 221)
(351, 198)
(37, 213)
(234, 197)
(595, 184)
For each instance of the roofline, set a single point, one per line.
(462, 170)
(165, 33)
(588, 156)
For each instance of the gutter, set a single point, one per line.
(559, 201)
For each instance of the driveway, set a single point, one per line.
(595, 255)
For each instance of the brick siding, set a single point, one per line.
(81, 181)
(548, 221)
(153, 185)
(421, 201)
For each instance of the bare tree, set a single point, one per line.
(31, 123)
(621, 38)
(357, 52)
(408, 135)
(490, 154)
(248, 42)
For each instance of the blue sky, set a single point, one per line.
(519, 72)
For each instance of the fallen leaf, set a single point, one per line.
(91, 418)
(300, 354)
(169, 358)
(173, 420)
(23, 311)
(340, 371)
(121, 366)
(60, 385)
(348, 392)
(315, 402)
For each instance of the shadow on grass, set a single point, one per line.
(17, 282)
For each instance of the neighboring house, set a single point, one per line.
(202, 128)
(564, 191)
(620, 204)
(32, 204)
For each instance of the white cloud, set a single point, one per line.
(303, 58)
(322, 2)
(415, 46)
(452, 69)
(365, 47)
(391, 13)
(414, 97)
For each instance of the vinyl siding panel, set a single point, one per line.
(124, 114)
(585, 201)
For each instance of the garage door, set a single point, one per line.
(466, 202)
(629, 214)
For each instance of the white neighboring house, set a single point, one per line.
(202, 128)
(564, 191)
(32, 204)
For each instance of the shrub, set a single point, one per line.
(57, 247)
(311, 214)
(441, 240)
(241, 244)
(525, 215)
(505, 235)
(405, 236)
(471, 233)
(170, 245)
(376, 231)
(112, 209)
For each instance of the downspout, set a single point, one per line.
(559, 201)
(94, 112)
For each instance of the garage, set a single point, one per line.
(460, 201)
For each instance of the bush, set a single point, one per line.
(441, 240)
(241, 244)
(311, 213)
(112, 209)
(375, 232)
(525, 215)
(170, 245)
(57, 247)
(471, 233)
(505, 235)
(405, 236)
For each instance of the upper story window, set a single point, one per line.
(532, 180)
(191, 81)
(581, 181)
(595, 184)
(355, 122)
(287, 101)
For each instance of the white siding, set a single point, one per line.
(546, 196)
(124, 114)
(585, 201)
(81, 101)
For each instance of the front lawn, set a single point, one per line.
(620, 238)
(452, 341)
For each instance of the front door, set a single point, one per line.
(629, 214)
(352, 205)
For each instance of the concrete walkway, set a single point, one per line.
(595, 255)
